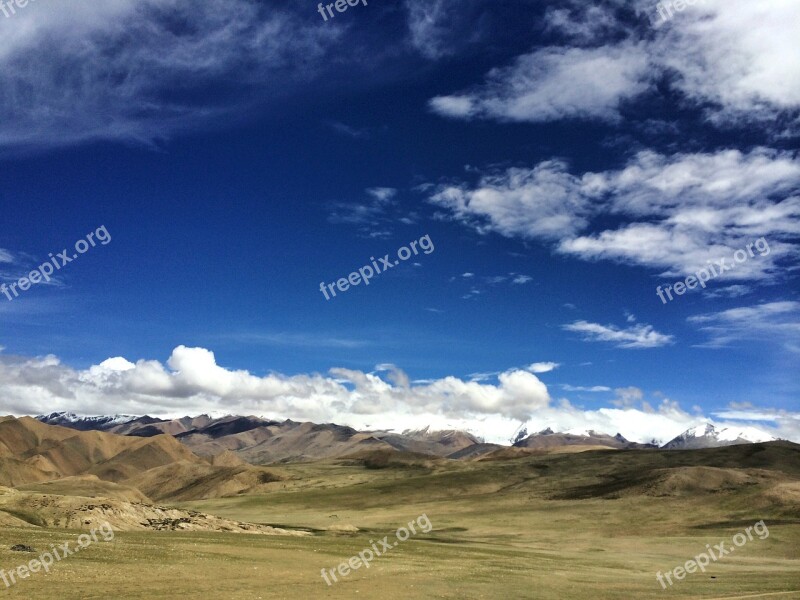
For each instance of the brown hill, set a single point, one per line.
(227, 459)
(89, 486)
(191, 481)
(75, 512)
(38, 452)
(56, 459)
(551, 439)
(261, 441)
(384, 458)
(288, 441)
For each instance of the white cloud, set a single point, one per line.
(521, 279)
(74, 73)
(439, 28)
(689, 209)
(638, 336)
(372, 216)
(737, 59)
(543, 367)
(192, 382)
(628, 396)
(382, 194)
(6, 256)
(729, 291)
(303, 340)
(554, 83)
(773, 321)
(357, 133)
(662, 423)
(531, 203)
(676, 212)
(427, 23)
(742, 56)
(584, 23)
(580, 388)
(787, 424)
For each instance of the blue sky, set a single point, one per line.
(564, 159)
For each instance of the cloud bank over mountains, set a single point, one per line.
(191, 382)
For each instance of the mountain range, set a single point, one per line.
(256, 440)
(52, 474)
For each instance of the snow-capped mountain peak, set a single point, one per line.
(708, 435)
(70, 419)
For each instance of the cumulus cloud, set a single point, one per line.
(192, 382)
(543, 367)
(638, 336)
(742, 57)
(628, 396)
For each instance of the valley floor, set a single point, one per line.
(541, 527)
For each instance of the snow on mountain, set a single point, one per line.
(707, 435)
(70, 419)
(547, 438)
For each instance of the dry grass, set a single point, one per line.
(516, 529)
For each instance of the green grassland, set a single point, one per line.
(595, 525)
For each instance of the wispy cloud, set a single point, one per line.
(373, 217)
(70, 74)
(770, 321)
(306, 340)
(638, 336)
(353, 132)
(556, 83)
(729, 291)
(580, 388)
